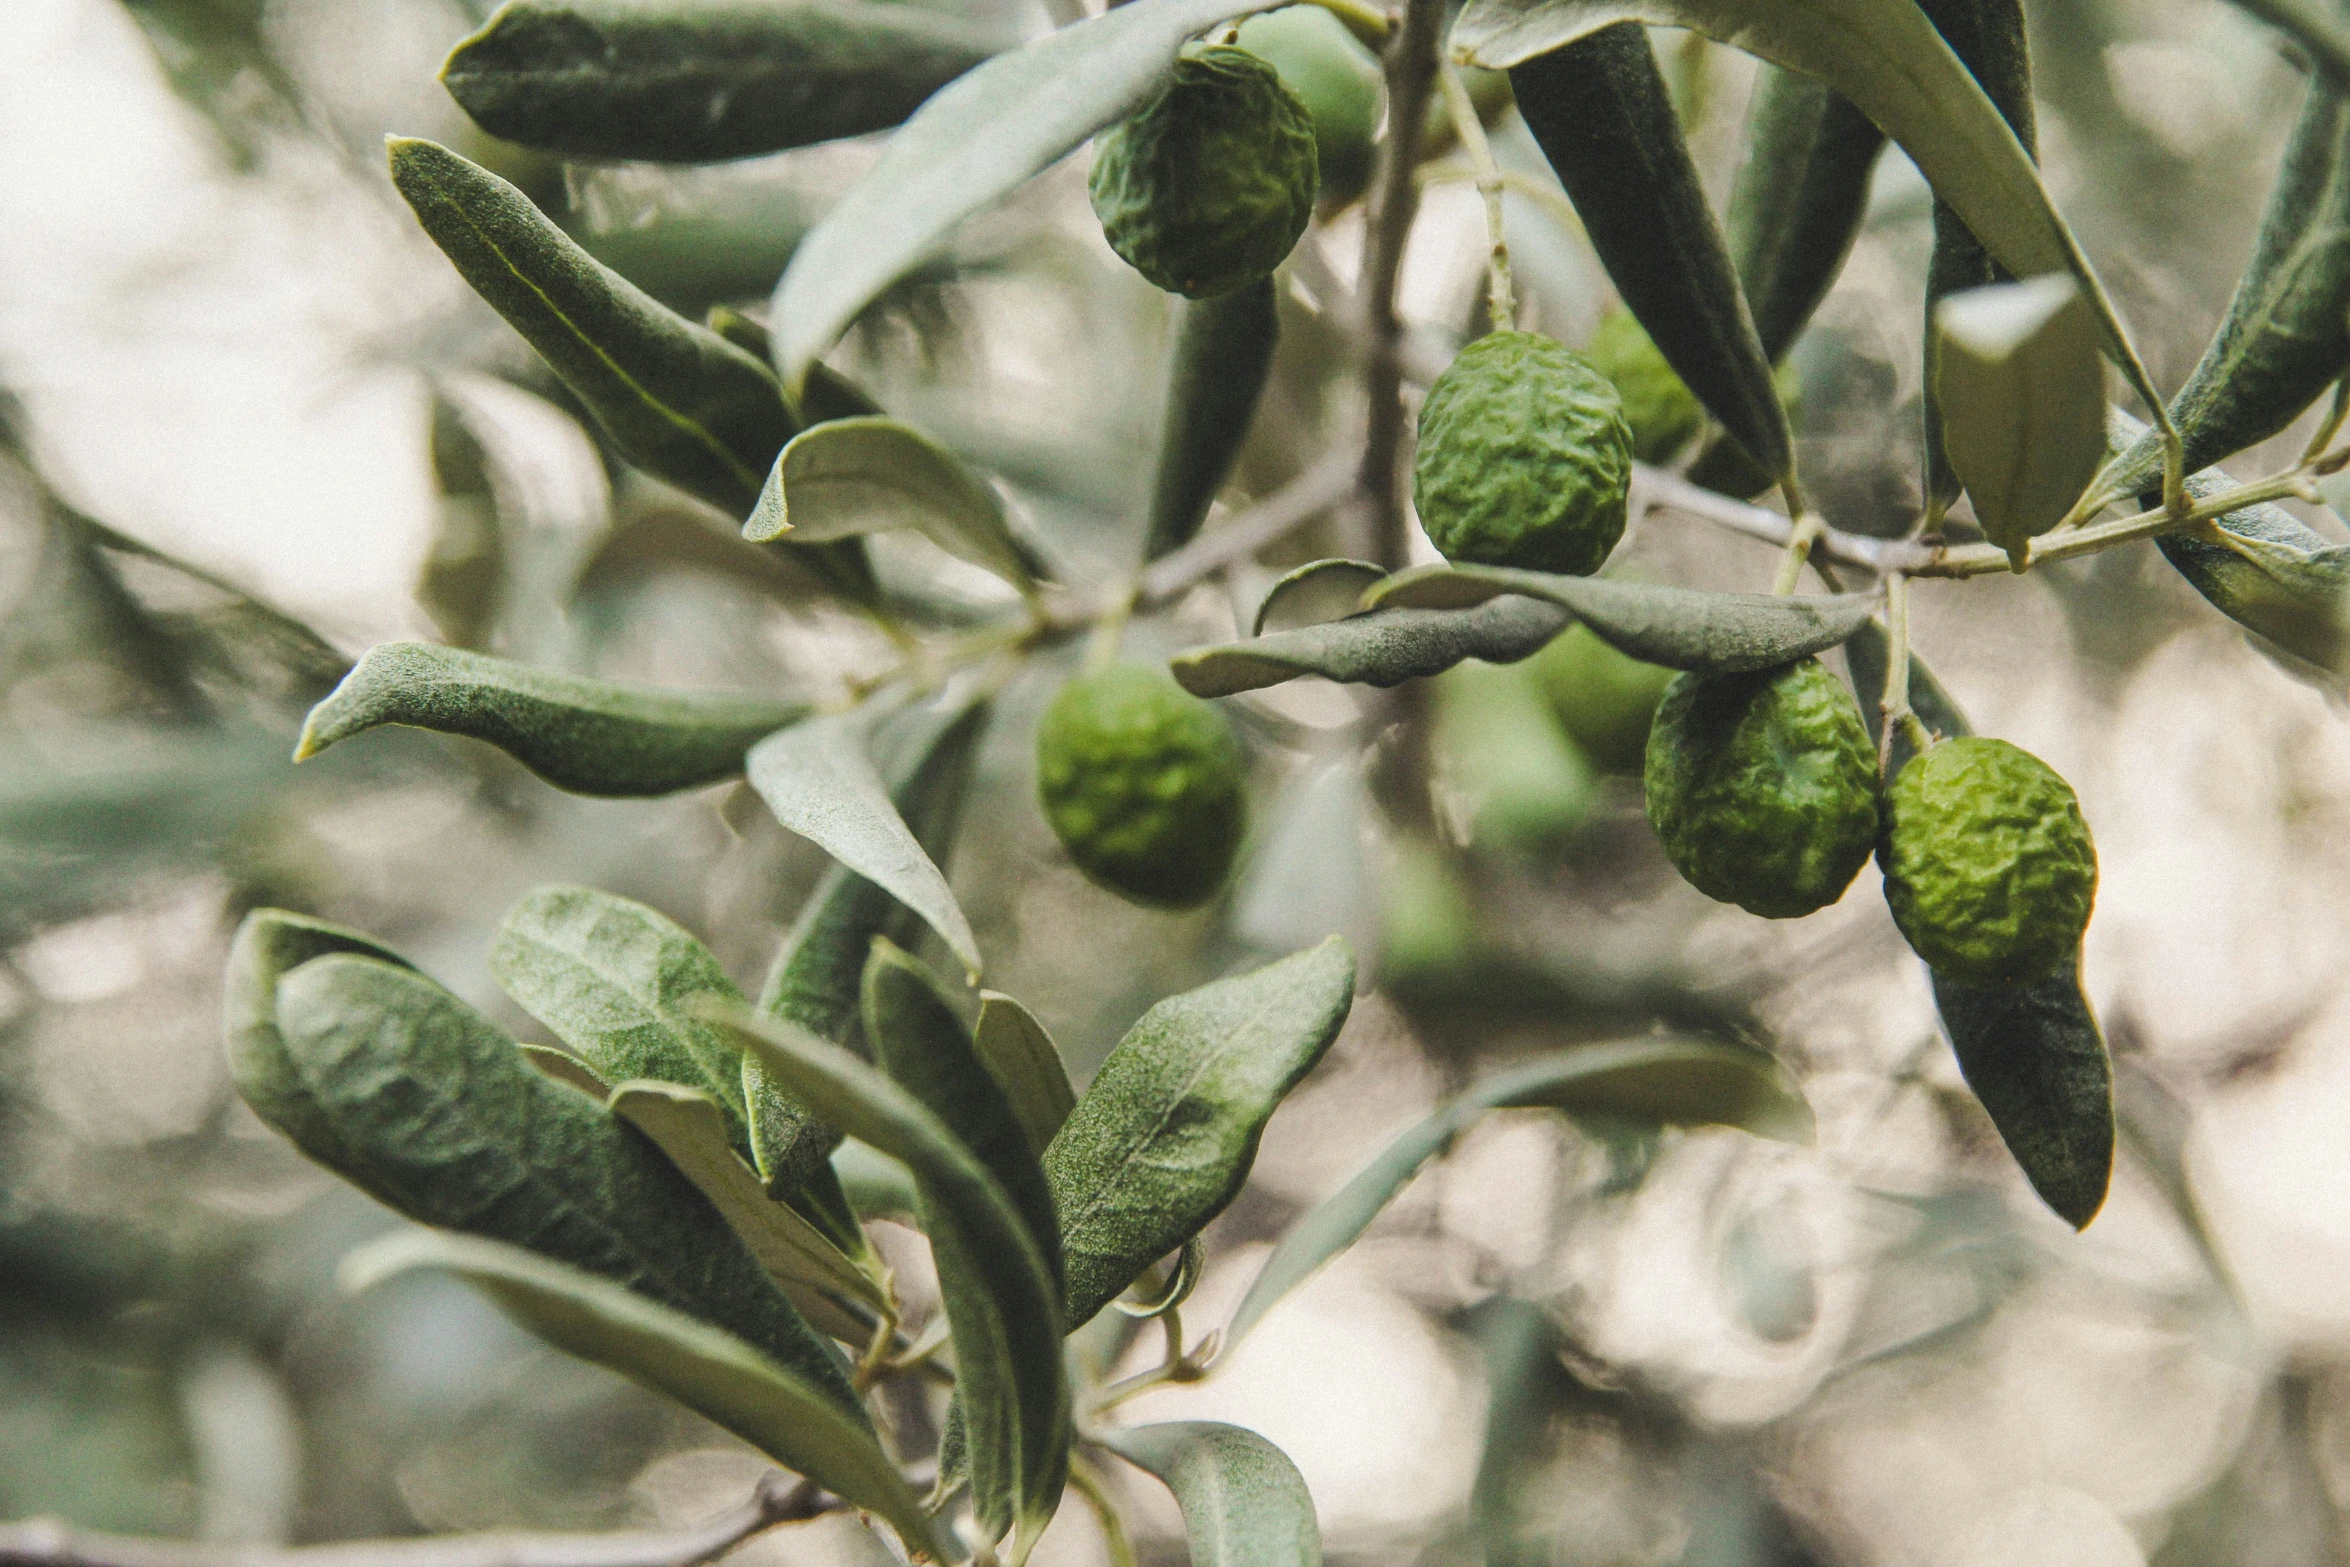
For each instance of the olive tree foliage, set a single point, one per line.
(678, 1188)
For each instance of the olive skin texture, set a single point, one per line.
(1206, 189)
(1524, 460)
(1989, 868)
(1763, 787)
(1144, 784)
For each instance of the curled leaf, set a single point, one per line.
(1315, 594)
(870, 474)
(1381, 649)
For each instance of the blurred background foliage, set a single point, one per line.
(254, 423)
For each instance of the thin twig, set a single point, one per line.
(1501, 309)
(45, 1542)
(1326, 484)
(1656, 487)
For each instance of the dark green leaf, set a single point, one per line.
(1223, 353)
(971, 144)
(2022, 403)
(1599, 108)
(1021, 1056)
(1867, 656)
(678, 400)
(1164, 1135)
(1673, 1081)
(1382, 649)
(1316, 593)
(712, 1373)
(1680, 628)
(1796, 207)
(2033, 1056)
(1244, 1503)
(587, 736)
(682, 82)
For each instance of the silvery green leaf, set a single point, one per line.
(819, 779)
(1022, 1058)
(1868, 657)
(2023, 403)
(1680, 628)
(1223, 353)
(1163, 1137)
(1382, 649)
(971, 144)
(1244, 1503)
(2035, 1059)
(1598, 107)
(1797, 205)
(1315, 594)
(871, 474)
(711, 1372)
(1672, 1081)
(1000, 1297)
(695, 81)
(587, 736)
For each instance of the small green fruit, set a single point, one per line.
(1988, 864)
(1142, 782)
(1524, 460)
(1516, 782)
(1763, 787)
(1207, 187)
(1604, 699)
(1336, 78)
(1661, 410)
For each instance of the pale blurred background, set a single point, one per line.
(223, 338)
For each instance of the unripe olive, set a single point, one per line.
(1604, 699)
(1661, 410)
(1336, 78)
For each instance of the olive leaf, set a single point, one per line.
(1687, 1082)
(819, 779)
(1680, 628)
(1598, 107)
(1025, 1063)
(711, 1372)
(1000, 1298)
(1244, 1503)
(2033, 1056)
(1315, 594)
(1867, 655)
(977, 139)
(870, 474)
(1381, 649)
(587, 736)
(2285, 336)
(681, 82)
(564, 1067)
(1523, 1377)
(2309, 23)
(2022, 402)
(611, 978)
(678, 400)
(1163, 1137)
(1223, 354)
(1797, 203)
(428, 1107)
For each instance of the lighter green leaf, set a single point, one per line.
(2023, 403)
(871, 474)
(2035, 1059)
(1314, 594)
(1223, 354)
(710, 1372)
(1681, 628)
(1163, 1137)
(704, 80)
(587, 736)
(1244, 1503)
(819, 779)
(1021, 1056)
(1673, 1081)
(972, 144)
(1382, 649)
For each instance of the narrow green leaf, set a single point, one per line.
(871, 474)
(1522, 1377)
(678, 400)
(819, 779)
(1316, 593)
(701, 81)
(1598, 107)
(1868, 657)
(1683, 1082)
(2022, 403)
(1223, 353)
(2311, 25)
(1244, 1503)
(2033, 1056)
(1680, 628)
(1023, 1060)
(587, 736)
(1382, 649)
(1163, 1137)
(1797, 205)
(612, 978)
(429, 1108)
(971, 144)
(711, 1372)
(1000, 1298)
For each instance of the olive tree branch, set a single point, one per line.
(777, 1499)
